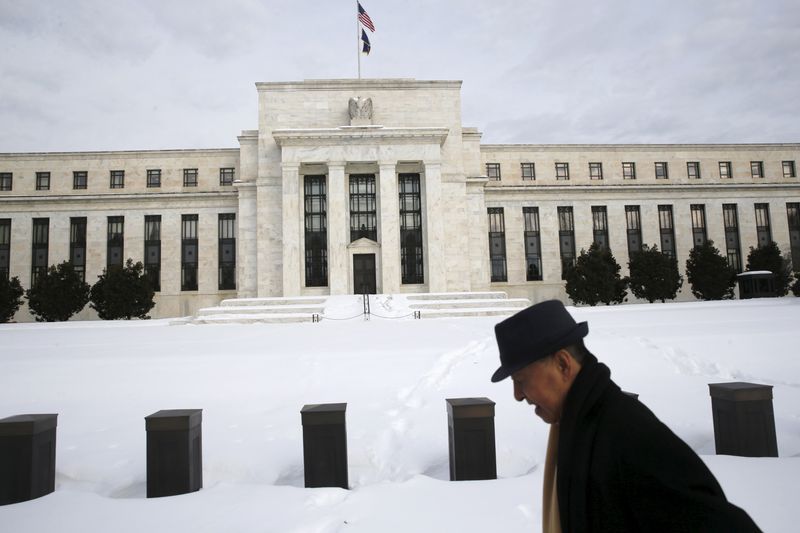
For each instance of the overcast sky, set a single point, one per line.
(146, 74)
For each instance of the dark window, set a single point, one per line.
(42, 181)
(80, 179)
(566, 239)
(116, 242)
(595, 171)
(661, 170)
(227, 251)
(152, 250)
(629, 171)
(493, 171)
(693, 170)
(77, 245)
(533, 248)
(528, 171)
(793, 217)
(788, 169)
(39, 251)
(190, 177)
(316, 231)
(6, 181)
(363, 217)
(411, 260)
(757, 169)
(730, 220)
(763, 229)
(600, 226)
(5, 248)
(725, 170)
(189, 252)
(226, 176)
(117, 179)
(154, 178)
(633, 222)
(562, 171)
(666, 226)
(699, 235)
(497, 244)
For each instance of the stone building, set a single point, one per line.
(375, 185)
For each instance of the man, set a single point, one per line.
(611, 465)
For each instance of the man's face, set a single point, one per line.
(544, 384)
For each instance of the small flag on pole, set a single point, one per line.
(367, 47)
(364, 18)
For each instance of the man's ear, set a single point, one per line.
(564, 362)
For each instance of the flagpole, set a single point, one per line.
(358, 42)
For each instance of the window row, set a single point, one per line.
(80, 179)
(660, 170)
(115, 248)
(633, 228)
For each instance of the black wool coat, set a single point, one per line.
(621, 469)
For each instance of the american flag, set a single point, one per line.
(364, 18)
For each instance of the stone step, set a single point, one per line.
(262, 309)
(458, 296)
(298, 300)
(456, 313)
(520, 303)
(264, 318)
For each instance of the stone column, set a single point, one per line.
(247, 259)
(291, 228)
(389, 216)
(338, 229)
(434, 221)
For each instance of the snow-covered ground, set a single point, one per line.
(103, 378)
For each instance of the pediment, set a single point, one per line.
(363, 244)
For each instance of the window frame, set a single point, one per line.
(595, 171)
(562, 166)
(188, 173)
(6, 181)
(628, 170)
(116, 179)
(728, 174)
(80, 180)
(693, 167)
(153, 178)
(43, 181)
(663, 165)
(493, 172)
(227, 175)
(756, 169)
(530, 175)
(792, 169)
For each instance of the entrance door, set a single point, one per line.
(364, 274)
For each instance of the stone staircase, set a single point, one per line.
(463, 304)
(260, 310)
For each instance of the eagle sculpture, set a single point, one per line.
(360, 108)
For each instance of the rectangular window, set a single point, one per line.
(633, 221)
(5, 248)
(533, 249)
(793, 217)
(152, 250)
(788, 169)
(6, 181)
(661, 170)
(189, 252)
(39, 251)
(699, 235)
(363, 214)
(80, 178)
(226, 176)
(42, 181)
(493, 171)
(693, 170)
(629, 171)
(600, 226)
(763, 229)
(227, 251)
(730, 220)
(497, 244)
(115, 242)
(562, 171)
(566, 239)
(77, 245)
(411, 260)
(154, 177)
(315, 201)
(117, 178)
(725, 170)
(528, 171)
(666, 227)
(757, 169)
(190, 177)
(595, 171)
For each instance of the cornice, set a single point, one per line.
(141, 197)
(356, 134)
(635, 147)
(657, 188)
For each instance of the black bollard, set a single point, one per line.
(27, 457)
(325, 445)
(744, 423)
(174, 452)
(470, 427)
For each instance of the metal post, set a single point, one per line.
(470, 425)
(174, 452)
(744, 422)
(325, 445)
(27, 457)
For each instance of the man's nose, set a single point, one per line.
(518, 392)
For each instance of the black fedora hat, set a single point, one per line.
(533, 334)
